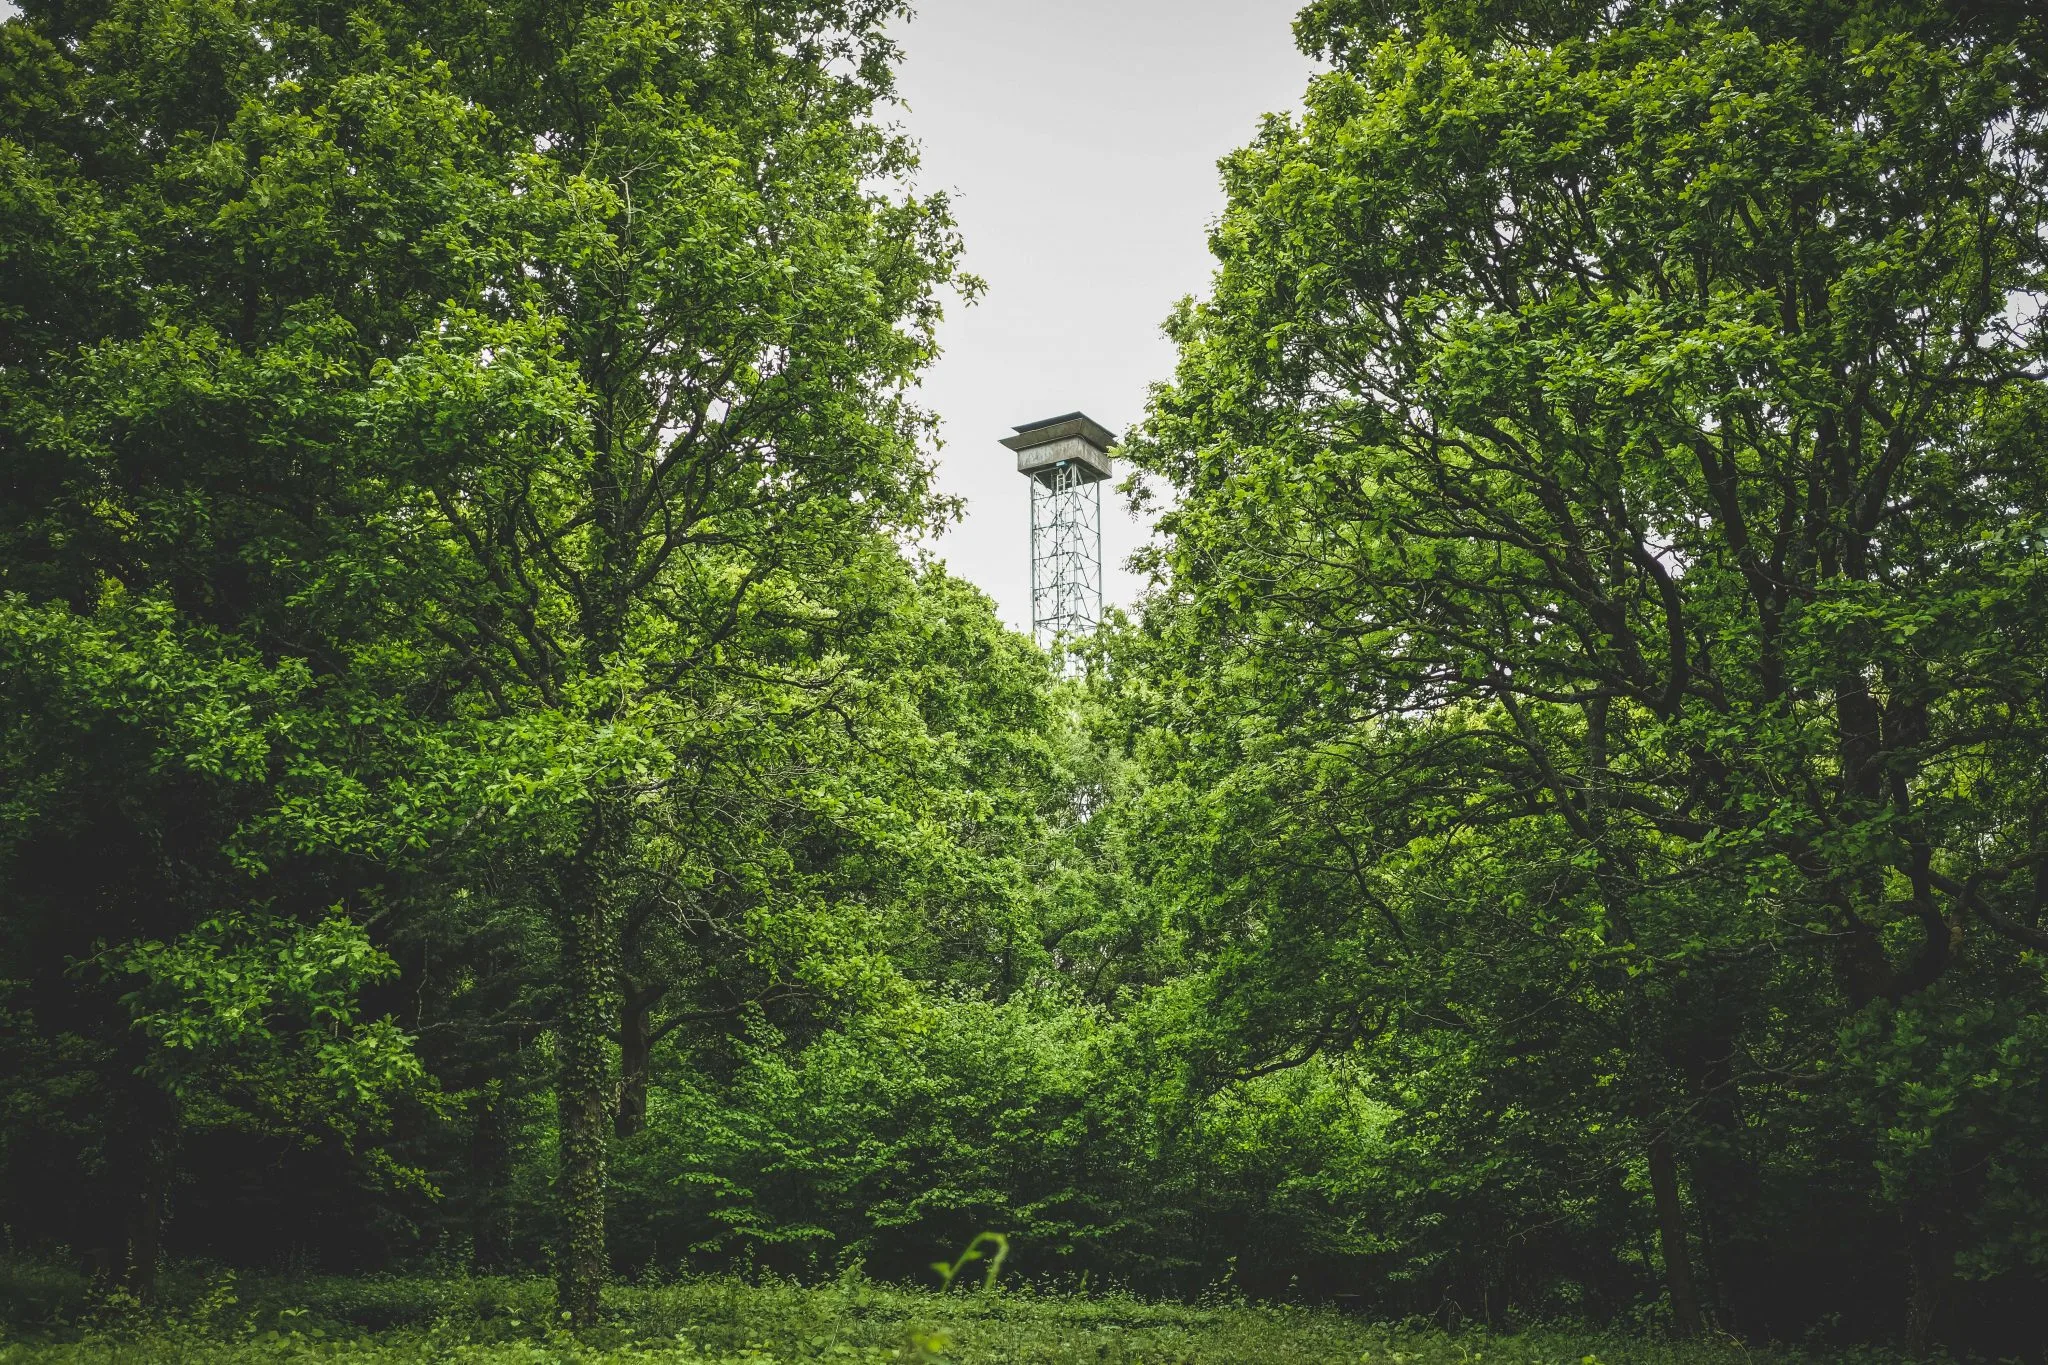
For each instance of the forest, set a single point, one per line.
(505, 838)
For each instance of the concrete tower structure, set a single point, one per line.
(1066, 458)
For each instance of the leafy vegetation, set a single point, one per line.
(489, 797)
(500, 1322)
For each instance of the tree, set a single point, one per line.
(1603, 596)
(517, 369)
(171, 970)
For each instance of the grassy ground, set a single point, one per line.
(384, 1321)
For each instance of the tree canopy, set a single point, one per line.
(1603, 603)
(487, 786)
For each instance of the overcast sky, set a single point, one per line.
(1080, 139)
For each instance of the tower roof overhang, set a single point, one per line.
(1072, 439)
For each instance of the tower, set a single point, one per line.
(1065, 458)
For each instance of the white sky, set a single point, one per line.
(1080, 140)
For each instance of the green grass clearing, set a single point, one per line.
(380, 1320)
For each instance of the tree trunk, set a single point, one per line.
(1727, 1189)
(1671, 1239)
(490, 1165)
(634, 1050)
(1615, 877)
(1933, 1265)
(155, 1160)
(586, 1087)
(145, 1236)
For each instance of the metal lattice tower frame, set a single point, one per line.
(1066, 458)
(1066, 555)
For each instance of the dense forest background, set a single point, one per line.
(1566, 835)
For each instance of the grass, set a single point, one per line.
(387, 1320)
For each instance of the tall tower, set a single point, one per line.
(1065, 458)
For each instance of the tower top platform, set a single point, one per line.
(1072, 440)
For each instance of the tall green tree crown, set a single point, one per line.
(1606, 569)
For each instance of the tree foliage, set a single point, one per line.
(1603, 614)
(486, 786)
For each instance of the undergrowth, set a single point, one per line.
(219, 1319)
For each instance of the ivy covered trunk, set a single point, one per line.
(586, 1084)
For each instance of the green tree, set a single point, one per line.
(171, 968)
(517, 368)
(1601, 618)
